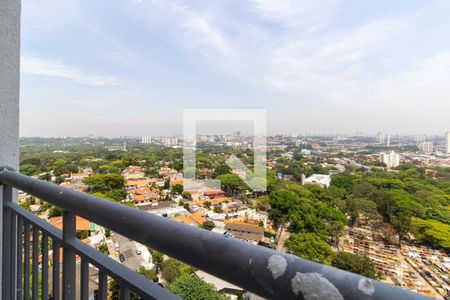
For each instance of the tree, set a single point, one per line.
(207, 204)
(172, 269)
(157, 258)
(309, 246)
(281, 202)
(432, 232)
(402, 224)
(231, 183)
(263, 203)
(186, 195)
(149, 274)
(28, 169)
(208, 225)
(45, 176)
(217, 209)
(55, 212)
(193, 288)
(354, 263)
(362, 210)
(59, 180)
(221, 170)
(177, 189)
(343, 181)
(114, 287)
(117, 194)
(105, 182)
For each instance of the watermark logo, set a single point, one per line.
(256, 178)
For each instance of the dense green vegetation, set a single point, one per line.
(190, 287)
(408, 199)
(415, 204)
(310, 246)
(354, 263)
(432, 232)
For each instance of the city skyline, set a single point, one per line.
(131, 67)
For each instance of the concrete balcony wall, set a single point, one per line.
(9, 89)
(9, 81)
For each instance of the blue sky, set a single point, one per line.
(317, 66)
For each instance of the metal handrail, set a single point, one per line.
(260, 270)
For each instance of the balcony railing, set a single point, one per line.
(265, 272)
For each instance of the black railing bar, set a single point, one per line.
(124, 293)
(14, 257)
(35, 264)
(263, 271)
(136, 282)
(102, 285)
(19, 247)
(69, 233)
(32, 219)
(26, 260)
(56, 270)
(44, 282)
(84, 279)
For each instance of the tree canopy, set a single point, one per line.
(190, 287)
(310, 246)
(354, 263)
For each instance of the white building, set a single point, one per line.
(447, 143)
(305, 152)
(146, 139)
(317, 179)
(380, 137)
(170, 141)
(426, 147)
(390, 159)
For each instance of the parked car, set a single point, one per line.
(121, 258)
(138, 252)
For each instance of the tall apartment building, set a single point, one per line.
(380, 137)
(146, 140)
(426, 147)
(170, 141)
(447, 142)
(390, 159)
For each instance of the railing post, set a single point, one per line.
(69, 268)
(9, 243)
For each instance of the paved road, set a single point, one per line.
(284, 235)
(128, 249)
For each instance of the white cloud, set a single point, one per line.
(330, 61)
(199, 30)
(309, 14)
(37, 66)
(426, 81)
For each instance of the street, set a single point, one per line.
(128, 249)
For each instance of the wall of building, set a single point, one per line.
(9, 81)
(9, 89)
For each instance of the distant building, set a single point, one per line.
(245, 231)
(146, 139)
(317, 179)
(390, 159)
(380, 137)
(447, 143)
(305, 152)
(170, 141)
(426, 147)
